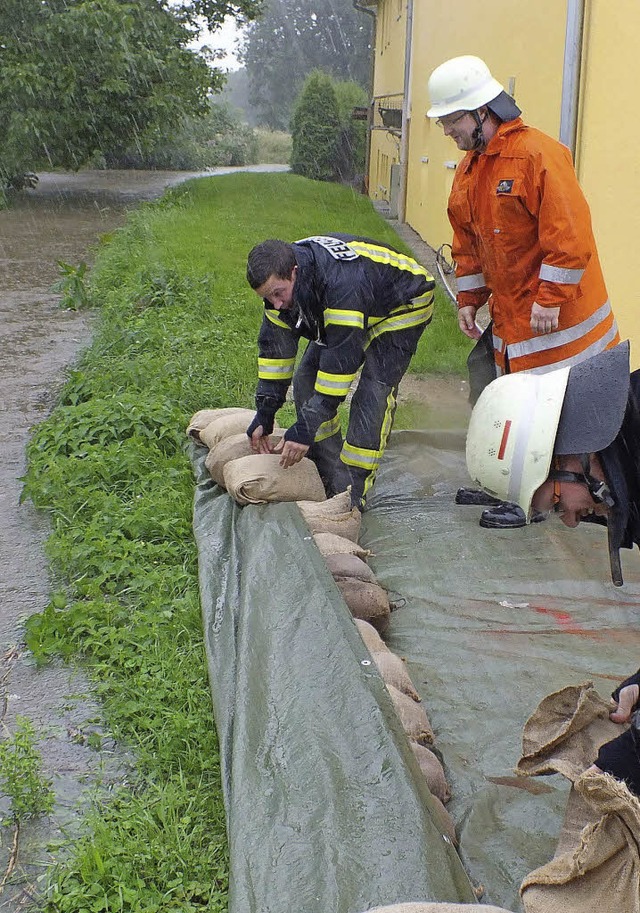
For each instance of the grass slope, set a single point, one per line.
(177, 333)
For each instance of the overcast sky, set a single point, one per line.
(224, 39)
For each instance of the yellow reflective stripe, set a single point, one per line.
(334, 384)
(383, 255)
(400, 322)
(275, 368)
(339, 317)
(360, 457)
(273, 317)
(327, 429)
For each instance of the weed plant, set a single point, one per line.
(21, 777)
(177, 333)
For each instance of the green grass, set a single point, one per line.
(274, 146)
(177, 333)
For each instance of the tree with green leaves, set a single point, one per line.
(315, 129)
(81, 77)
(294, 37)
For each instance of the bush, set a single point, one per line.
(315, 129)
(218, 139)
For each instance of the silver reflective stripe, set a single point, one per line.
(522, 431)
(559, 274)
(594, 349)
(498, 344)
(560, 337)
(469, 283)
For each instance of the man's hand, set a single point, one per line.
(543, 320)
(260, 442)
(467, 322)
(291, 452)
(627, 700)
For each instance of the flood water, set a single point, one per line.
(60, 220)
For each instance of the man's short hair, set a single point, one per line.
(270, 258)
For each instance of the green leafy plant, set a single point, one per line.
(72, 285)
(21, 774)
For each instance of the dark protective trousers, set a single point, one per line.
(355, 461)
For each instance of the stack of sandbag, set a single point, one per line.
(250, 478)
(596, 867)
(335, 526)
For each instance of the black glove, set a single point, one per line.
(621, 757)
(264, 419)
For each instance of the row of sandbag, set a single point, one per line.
(335, 526)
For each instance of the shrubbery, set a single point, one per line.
(327, 144)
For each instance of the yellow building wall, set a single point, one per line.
(608, 151)
(522, 43)
(388, 81)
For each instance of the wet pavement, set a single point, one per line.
(60, 220)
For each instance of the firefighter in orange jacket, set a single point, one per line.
(522, 236)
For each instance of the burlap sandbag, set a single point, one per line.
(225, 425)
(368, 601)
(598, 869)
(335, 515)
(330, 544)
(415, 721)
(372, 640)
(394, 672)
(445, 820)
(348, 565)
(566, 730)
(259, 478)
(199, 420)
(418, 907)
(230, 448)
(432, 771)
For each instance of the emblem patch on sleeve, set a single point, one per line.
(338, 248)
(504, 187)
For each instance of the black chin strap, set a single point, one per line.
(598, 489)
(477, 136)
(600, 494)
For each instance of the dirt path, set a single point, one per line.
(62, 220)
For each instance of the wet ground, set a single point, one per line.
(61, 219)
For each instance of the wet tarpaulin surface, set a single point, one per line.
(490, 622)
(326, 807)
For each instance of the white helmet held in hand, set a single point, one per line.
(461, 84)
(512, 432)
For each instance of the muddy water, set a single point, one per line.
(62, 219)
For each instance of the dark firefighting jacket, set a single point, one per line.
(348, 291)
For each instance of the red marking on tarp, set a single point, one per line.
(505, 437)
(564, 619)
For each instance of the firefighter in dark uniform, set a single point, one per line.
(361, 304)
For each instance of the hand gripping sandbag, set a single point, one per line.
(260, 478)
(335, 515)
(199, 420)
(225, 425)
(230, 448)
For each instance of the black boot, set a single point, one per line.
(507, 515)
(477, 497)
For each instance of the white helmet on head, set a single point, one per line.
(512, 432)
(521, 420)
(461, 84)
